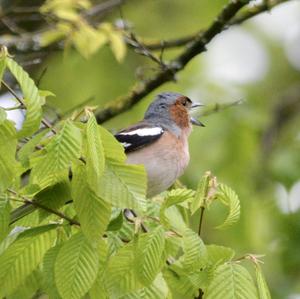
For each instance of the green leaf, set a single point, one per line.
(53, 197)
(183, 284)
(31, 99)
(114, 243)
(3, 115)
(201, 193)
(93, 212)
(149, 255)
(124, 185)
(113, 149)
(231, 281)
(263, 289)
(195, 253)
(29, 287)
(229, 198)
(171, 217)
(219, 254)
(95, 159)
(120, 277)
(88, 40)
(115, 223)
(116, 40)
(4, 217)
(98, 290)
(23, 256)
(157, 290)
(51, 36)
(117, 45)
(53, 166)
(76, 267)
(27, 149)
(9, 167)
(48, 271)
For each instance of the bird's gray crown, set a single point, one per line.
(160, 106)
(158, 111)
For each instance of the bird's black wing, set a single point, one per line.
(138, 136)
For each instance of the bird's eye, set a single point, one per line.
(184, 103)
(162, 106)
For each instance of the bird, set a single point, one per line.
(160, 140)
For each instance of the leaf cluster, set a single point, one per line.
(63, 232)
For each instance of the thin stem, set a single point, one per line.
(202, 209)
(41, 206)
(44, 121)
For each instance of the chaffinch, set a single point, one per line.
(160, 140)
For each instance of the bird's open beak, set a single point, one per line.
(196, 105)
(196, 122)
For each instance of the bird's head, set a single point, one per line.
(172, 109)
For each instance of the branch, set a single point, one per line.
(242, 17)
(176, 65)
(35, 204)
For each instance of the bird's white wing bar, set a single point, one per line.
(144, 131)
(139, 136)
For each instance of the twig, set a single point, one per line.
(219, 107)
(101, 8)
(202, 209)
(44, 121)
(41, 206)
(197, 46)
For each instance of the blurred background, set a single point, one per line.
(253, 145)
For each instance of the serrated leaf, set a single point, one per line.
(171, 217)
(113, 149)
(23, 256)
(229, 198)
(88, 40)
(93, 212)
(115, 223)
(98, 290)
(48, 272)
(12, 236)
(201, 193)
(183, 284)
(114, 243)
(231, 281)
(9, 167)
(30, 286)
(4, 217)
(263, 289)
(53, 166)
(76, 267)
(121, 278)
(124, 186)
(149, 255)
(31, 99)
(26, 150)
(219, 254)
(195, 253)
(157, 290)
(95, 159)
(53, 197)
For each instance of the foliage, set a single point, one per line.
(76, 31)
(87, 247)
